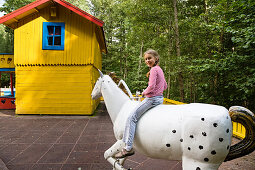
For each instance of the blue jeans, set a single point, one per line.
(135, 115)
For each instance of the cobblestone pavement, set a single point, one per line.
(74, 142)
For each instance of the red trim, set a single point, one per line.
(61, 2)
(22, 10)
(80, 12)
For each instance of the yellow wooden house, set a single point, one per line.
(57, 51)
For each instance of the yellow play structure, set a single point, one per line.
(57, 51)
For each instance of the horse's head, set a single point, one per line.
(96, 92)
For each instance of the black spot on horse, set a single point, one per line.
(221, 139)
(189, 148)
(215, 124)
(204, 134)
(227, 130)
(168, 145)
(191, 136)
(201, 147)
(203, 119)
(213, 152)
(228, 147)
(174, 131)
(206, 159)
(181, 140)
(198, 168)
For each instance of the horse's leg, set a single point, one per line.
(108, 155)
(115, 148)
(191, 164)
(121, 162)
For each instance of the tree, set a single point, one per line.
(178, 51)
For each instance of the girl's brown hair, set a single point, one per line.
(154, 54)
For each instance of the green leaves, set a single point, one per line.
(217, 45)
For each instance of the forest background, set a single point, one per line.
(206, 47)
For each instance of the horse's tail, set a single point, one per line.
(247, 145)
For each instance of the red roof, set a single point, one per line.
(35, 4)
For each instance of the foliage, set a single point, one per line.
(216, 43)
(5, 80)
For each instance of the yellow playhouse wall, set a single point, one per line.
(55, 90)
(81, 45)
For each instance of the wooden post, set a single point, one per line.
(12, 93)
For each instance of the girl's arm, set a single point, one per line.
(152, 82)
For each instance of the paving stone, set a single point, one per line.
(153, 164)
(19, 167)
(89, 139)
(57, 154)
(46, 139)
(31, 155)
(77, 167)
(2, 165)
(100, 166)
(47, 166)
(68, 139)
(85, 147)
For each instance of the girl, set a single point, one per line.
(154, 97)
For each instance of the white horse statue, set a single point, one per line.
(198, 134)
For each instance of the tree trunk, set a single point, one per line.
(178, 51)
(191, 89)
(121, 67)
(140, 61)
(169, 64)
(123, 62)
(215, 87)
(207, 31)
(125, 68)
(168, 84)
(206, 10)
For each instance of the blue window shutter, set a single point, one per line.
(53, 36)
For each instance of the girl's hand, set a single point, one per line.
(143, 94)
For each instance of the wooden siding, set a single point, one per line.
(238, 130)
(55, 90)
(81, 45)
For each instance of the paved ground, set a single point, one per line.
(73, 142)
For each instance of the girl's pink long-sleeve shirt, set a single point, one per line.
(157, 83)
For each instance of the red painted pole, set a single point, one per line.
(11, 84)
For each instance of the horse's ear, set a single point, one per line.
(101, 74)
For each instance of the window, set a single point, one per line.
(53, 36)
